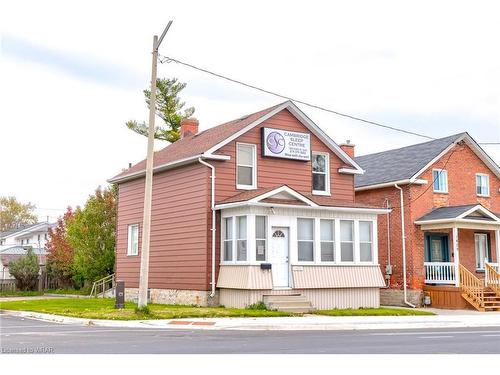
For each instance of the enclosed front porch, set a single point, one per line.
(461, 250)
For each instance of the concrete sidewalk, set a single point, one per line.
(308, 322)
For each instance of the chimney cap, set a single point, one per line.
(347, 143)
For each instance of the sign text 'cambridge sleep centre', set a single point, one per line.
(286, 144)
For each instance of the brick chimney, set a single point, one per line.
(348, 148)
(189, 126)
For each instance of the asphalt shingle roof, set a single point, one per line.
(401, 163)
(449, 212)
(197, 144)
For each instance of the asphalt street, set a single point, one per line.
(22, 335)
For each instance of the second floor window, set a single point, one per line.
(133, 239)
(320, 174)
(246, 161)
(482, 185)
(440, 180)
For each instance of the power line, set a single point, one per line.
(167, 59)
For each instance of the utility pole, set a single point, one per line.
(148, 189)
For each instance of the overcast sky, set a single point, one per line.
(73, 74)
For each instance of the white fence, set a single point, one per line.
(439, 272)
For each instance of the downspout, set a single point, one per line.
(403, 240)
(212, 206)
(388, 218)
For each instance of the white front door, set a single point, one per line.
(279, 257)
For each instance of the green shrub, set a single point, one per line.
(257, 306)
(25, 270)
(144, 310)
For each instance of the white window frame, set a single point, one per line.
(238, 238)
(224, 240)
(266, 221)
(129, 240)
(250, 237)
(487, 184)
(486, 249)
(334, 241)
(372, 242)
(254, 167)
(441, 172)
(327, 174)
(355, 242)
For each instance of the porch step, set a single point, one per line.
(294, 303)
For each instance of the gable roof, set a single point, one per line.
(24, 229)
(462, 212)
(204, 144)
(404, 165)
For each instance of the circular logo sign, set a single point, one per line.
(275, 142)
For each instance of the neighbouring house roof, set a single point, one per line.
(21, 250)
(22, 229)
(285, 195)
(462, 212)
(407, 163)
(203, 144)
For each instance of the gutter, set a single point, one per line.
(412, 181)
(213, 229)
(403, 240)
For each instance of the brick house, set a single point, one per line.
(449, 189)
(258, 208)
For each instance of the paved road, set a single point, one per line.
(20, 334)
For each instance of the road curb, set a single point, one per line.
(310, 322)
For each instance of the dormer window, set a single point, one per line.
(320, 173)
(246, 165)
(440, 180)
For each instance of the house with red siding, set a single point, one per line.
(261, 208)
(442, 236)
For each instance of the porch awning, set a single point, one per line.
(472, 216)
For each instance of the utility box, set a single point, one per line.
(120, 294)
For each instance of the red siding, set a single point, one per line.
(272, 171)
(179, 257)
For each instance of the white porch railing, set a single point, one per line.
(439, 272)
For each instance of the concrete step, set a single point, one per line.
(288, 303)
(297, 310)
(284, 298)
(279, 305)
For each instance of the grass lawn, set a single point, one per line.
(103, 308)
(83, 292)
(382, 311)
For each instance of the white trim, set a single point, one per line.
(350, 171)
(326, 173)
(486, 249)
(166, 166)
(308, 123)
(129, 240)
(487, 184)
(391, 184)
(253, 186)
(441, 172)
(287, 190)
(478, 208)
(457, 221)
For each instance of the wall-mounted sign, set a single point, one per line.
(286, 144)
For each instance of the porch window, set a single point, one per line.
(305, 236)
(346, 241)
(260, 237)
(133, 239)
(246, 161)
(241, 238)
(228, 239)
(365, 241)
(482, 250)
(327, 231)
(482, 185)
(320, 173)
(440, 180)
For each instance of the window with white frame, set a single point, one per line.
(327, 234)
(133, 239)
(227, 254)
(440, 180)
(320, 173)
(305, 237)
(246, 160)
(365, 241)
(346, 241)
(482, 185)
(260, 238)
(481, 247)
(241, 238)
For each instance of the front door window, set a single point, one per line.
(436, 247)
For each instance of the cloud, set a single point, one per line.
(83, 67)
